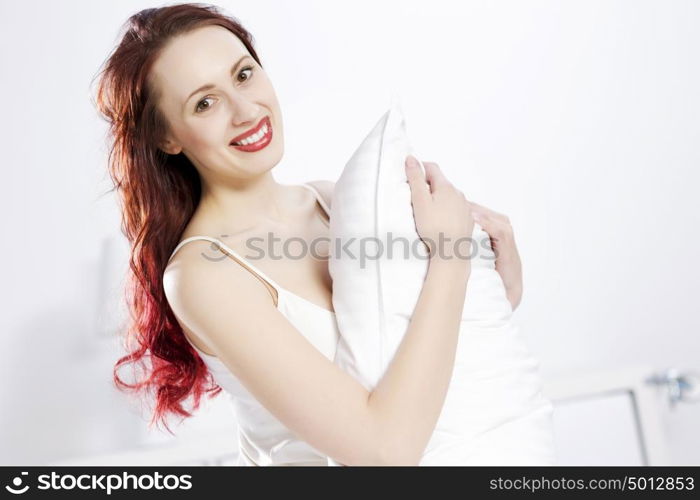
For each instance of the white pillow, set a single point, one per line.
(494, 412)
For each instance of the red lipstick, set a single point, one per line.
(263, 141)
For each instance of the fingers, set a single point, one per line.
(494, 226)
(423, 187)
(434, 175)
(487, 212)
(420, 191)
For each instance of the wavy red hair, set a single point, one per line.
(158, 194)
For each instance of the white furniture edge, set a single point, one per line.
(647, 399)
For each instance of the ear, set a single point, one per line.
(169, 146)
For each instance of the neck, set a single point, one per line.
(243, 202)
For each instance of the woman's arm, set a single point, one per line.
(308, 393)
(233, 315)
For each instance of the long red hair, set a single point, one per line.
(158, 194)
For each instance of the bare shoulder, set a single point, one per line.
(201, 271)
(325, 188)
(201, 278)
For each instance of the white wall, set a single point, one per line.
(577, 119)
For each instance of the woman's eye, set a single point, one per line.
(247, 68)
(199, 107)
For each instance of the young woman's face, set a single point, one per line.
(236, 98)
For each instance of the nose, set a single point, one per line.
(244, 111)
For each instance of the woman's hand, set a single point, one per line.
(508, 262)
(435, 205)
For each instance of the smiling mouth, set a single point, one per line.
(254, 136)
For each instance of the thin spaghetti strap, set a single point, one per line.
(320, 199)
(229, 251)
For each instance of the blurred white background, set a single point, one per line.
(579, 120)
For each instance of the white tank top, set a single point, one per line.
(262, 438)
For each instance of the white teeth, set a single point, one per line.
(253, 138)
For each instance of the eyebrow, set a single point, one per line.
(211, 85)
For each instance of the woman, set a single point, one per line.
(181, 92)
